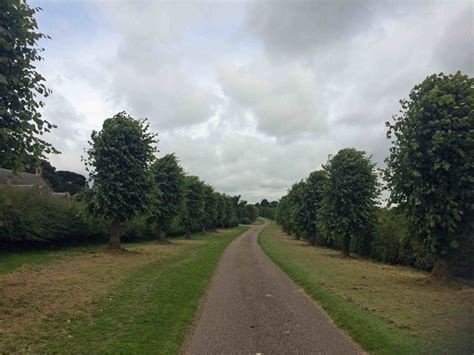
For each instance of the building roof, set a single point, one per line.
(8, 177)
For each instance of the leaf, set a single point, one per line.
(3, 80)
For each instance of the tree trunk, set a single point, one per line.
(312, 239)
(442, 270)
(347, 245)
(187, 235)
(204, 230)
(114, 239)
(162, 237)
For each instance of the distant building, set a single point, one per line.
(19, 180)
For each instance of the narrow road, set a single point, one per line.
(252, 307)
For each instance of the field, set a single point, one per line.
(385, 308)
(82, 300)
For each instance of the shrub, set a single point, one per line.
(245, 220)
(30, 218)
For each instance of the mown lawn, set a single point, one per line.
(385, 308)
(87, 301)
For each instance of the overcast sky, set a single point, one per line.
(251, 96)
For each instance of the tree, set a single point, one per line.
(193, 217)
(349, 198)
(69, 182)
(283, 214)
(264, 203)
(313, 196)
(430, 170)
(21, 86)
(297, 209)
(251, 212)
(168, 178)
(210, 208)
(118, 161)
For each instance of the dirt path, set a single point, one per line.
(252, 307)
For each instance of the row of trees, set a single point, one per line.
(429, 174)
(334, 206)
(128, 181)
(267, 209)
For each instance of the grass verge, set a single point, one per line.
(386, 309)
(148, 310)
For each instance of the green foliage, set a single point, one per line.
(251, 212)
(430, 170)
(118, 161)
(69, 182)
(21, 85)
(312, 199)
(283, 214)
(168, 179)
(247, 213)
(349, 199)
(210, 207)
(297, 209)
(245, 220)
(392, 243)
(267, 209)
(30, 218)
(194, 213)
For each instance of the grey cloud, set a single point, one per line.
(252, 166)
(151, 74)
(456, 48)
(284, 100)
(303, 80)
(289, 28)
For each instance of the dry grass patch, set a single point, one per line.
(32, 294)
(441, 315)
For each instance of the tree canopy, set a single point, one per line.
(118, 162)
(21, 86)
(194, 213)
(430, 170)
(168, 179)
(349, 198)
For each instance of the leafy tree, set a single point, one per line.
(219, 209)
(430, 170)
(349, 198)
(193, 218)
(282, 215)
(21, 86)
(168, 178)
(118, 161)
(297, 209)
(210, 208)
(267, 209)
(265, 203)
(313, 196)
(251, 212)
(69, 182)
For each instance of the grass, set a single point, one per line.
(385, 308)
(10, 261)
(142, 302)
